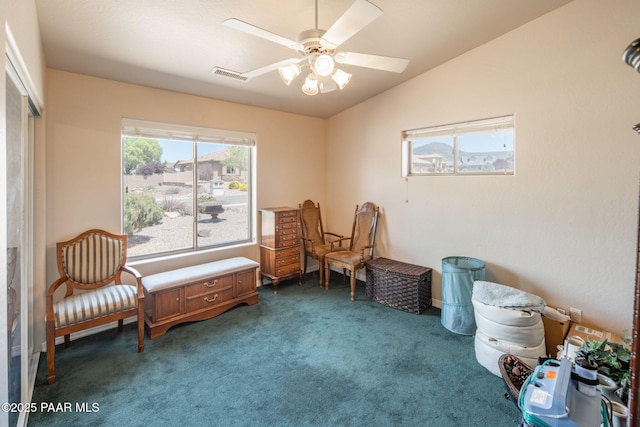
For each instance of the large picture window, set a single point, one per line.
(476, 147)
(185, 188)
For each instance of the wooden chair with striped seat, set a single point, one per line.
(92, 263)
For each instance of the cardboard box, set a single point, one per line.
(554, 334)
(593, 333)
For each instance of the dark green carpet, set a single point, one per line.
(305, 357)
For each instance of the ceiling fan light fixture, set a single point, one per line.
(310, 86)
(317, 48)
(289, 73)
(323, 65)
(341, 78)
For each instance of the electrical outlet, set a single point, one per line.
(575, 314)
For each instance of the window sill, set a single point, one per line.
(144, 262)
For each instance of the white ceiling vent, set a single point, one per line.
(228, 73)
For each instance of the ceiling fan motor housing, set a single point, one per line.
(311, 42)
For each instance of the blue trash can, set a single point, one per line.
(458, 275)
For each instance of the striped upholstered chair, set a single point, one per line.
(91, 264)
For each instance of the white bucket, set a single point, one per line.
(571, 347)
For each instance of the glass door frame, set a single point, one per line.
(25, 269)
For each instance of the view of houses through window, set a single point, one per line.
(477, 147)
(183, 190)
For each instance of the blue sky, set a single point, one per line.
(477, 143)
(487, 142)
(172, 151)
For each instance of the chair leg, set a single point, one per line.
(51, 352)
(120, 324)
(353, 285)
(344, 274)
(140, 326)
(304, 268)
(67, 340)
(327, 274)
(321, 270)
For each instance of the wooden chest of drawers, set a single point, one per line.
(280, 245)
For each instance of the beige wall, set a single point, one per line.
(565, 226)
(83, 140)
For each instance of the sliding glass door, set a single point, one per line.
(20, 357)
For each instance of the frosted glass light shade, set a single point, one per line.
(310, 86)
(341, 78)
(323, 65)
(289, 73)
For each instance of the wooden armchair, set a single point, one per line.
(316, 244)
(363, 236)
(92, 263)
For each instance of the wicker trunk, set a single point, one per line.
(399, 285)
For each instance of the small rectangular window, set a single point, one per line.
(476, 147)
(185, 188)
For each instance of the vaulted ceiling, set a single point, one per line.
(175, 45)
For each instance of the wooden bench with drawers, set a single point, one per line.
(197, 292)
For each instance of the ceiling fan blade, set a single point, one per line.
(385, 63)
(359, 15)
(259, 32)
(267, 68)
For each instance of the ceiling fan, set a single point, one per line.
(317, 50)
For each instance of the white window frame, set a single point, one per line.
(195, 134)
(454, 132)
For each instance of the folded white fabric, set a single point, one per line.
(507, 297)
(553, 314)
(504, 316)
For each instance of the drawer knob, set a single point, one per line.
(207, 299)
(211, 285)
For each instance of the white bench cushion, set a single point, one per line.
(181, 276)
(93, 304)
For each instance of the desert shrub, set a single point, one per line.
(206, 198)
(172, 190)
(140, 210)
(171, 204)
(150, 168)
